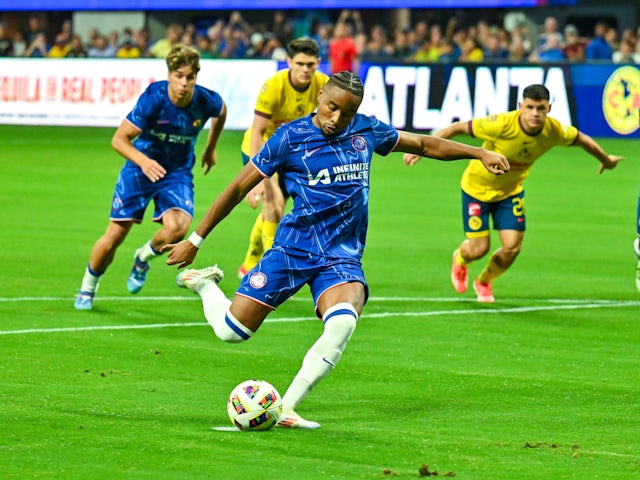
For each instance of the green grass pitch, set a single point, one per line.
(542, 384)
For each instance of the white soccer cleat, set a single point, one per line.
(291, 419)
(191, 277)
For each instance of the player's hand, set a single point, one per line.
(255, 195)
(181, 253)
(411, 158)
(153, 170)
(611, 164)
(494, 162)
(208, 161)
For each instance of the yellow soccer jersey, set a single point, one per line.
(280, 102)
(503, 134)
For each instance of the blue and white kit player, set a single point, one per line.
(324, 160)
(157, 139)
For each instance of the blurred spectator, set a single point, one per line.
(598, 48)
(551, 51)
(66, 30)
(6, 44)
(321, 33)
(256, 45)
(517, 52)
(282, 27)
(19, 45)
(114, 40)
(447, 52)
(92, 37)
(401, 49)
(141, 39)
(549, 29)
(273, 48)
(60, 47)
(161, 48)
(128, 49)
(76, 48)
(612, 38)
(471, 51)
(342, 49)
(38, 47)
(574, 46)
(626, 53)
(203, 44)
(35, 28)
(101, 48)
(492, 50)
(377, 49)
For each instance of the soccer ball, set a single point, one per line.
(254, 405)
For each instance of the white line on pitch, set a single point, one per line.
(578, 306)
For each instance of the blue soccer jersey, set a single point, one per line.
(328, 179)
(169, 133)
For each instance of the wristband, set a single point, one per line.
(196, 240)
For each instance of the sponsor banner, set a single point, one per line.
(601, 100)
(101, 92)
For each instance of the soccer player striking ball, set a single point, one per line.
(289, 94)
(522, 136)
(324, 159)
(166, 120)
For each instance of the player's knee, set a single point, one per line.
(230, 330)
(341, 320)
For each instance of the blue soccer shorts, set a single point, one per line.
(134, 191)
(280, 274)
(507, 214)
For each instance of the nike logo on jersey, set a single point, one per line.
(308, 153)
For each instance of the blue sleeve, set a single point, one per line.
(386, 137)
(143, 110)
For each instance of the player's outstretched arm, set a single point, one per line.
(183, 253)
(589, 145)
(450, 131)
(443, 149)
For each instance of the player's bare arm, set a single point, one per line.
(450, 131)
(444, 149)
(184, 252)
(589, 145)
(121, 143)
(209, 154)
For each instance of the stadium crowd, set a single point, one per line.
(513, 37)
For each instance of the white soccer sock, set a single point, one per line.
(216, 310)
(636, 247)
(147, 252)
(90, 281)
(339, 324)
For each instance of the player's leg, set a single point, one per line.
(173, 198)
(272, 211)
(475, 218)
(509, 220)
(254, 250)
(102, 255)
(339, 307)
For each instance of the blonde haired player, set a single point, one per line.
(522, 136)
(289, 94)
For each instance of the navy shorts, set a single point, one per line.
(134, 191)
(280, 274)
(507, 214)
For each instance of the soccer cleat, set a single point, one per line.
(138, 275)
(242, 271)
(191, 277)
(291, 419)
(458, 275)
(484, 291)
(84, 301)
